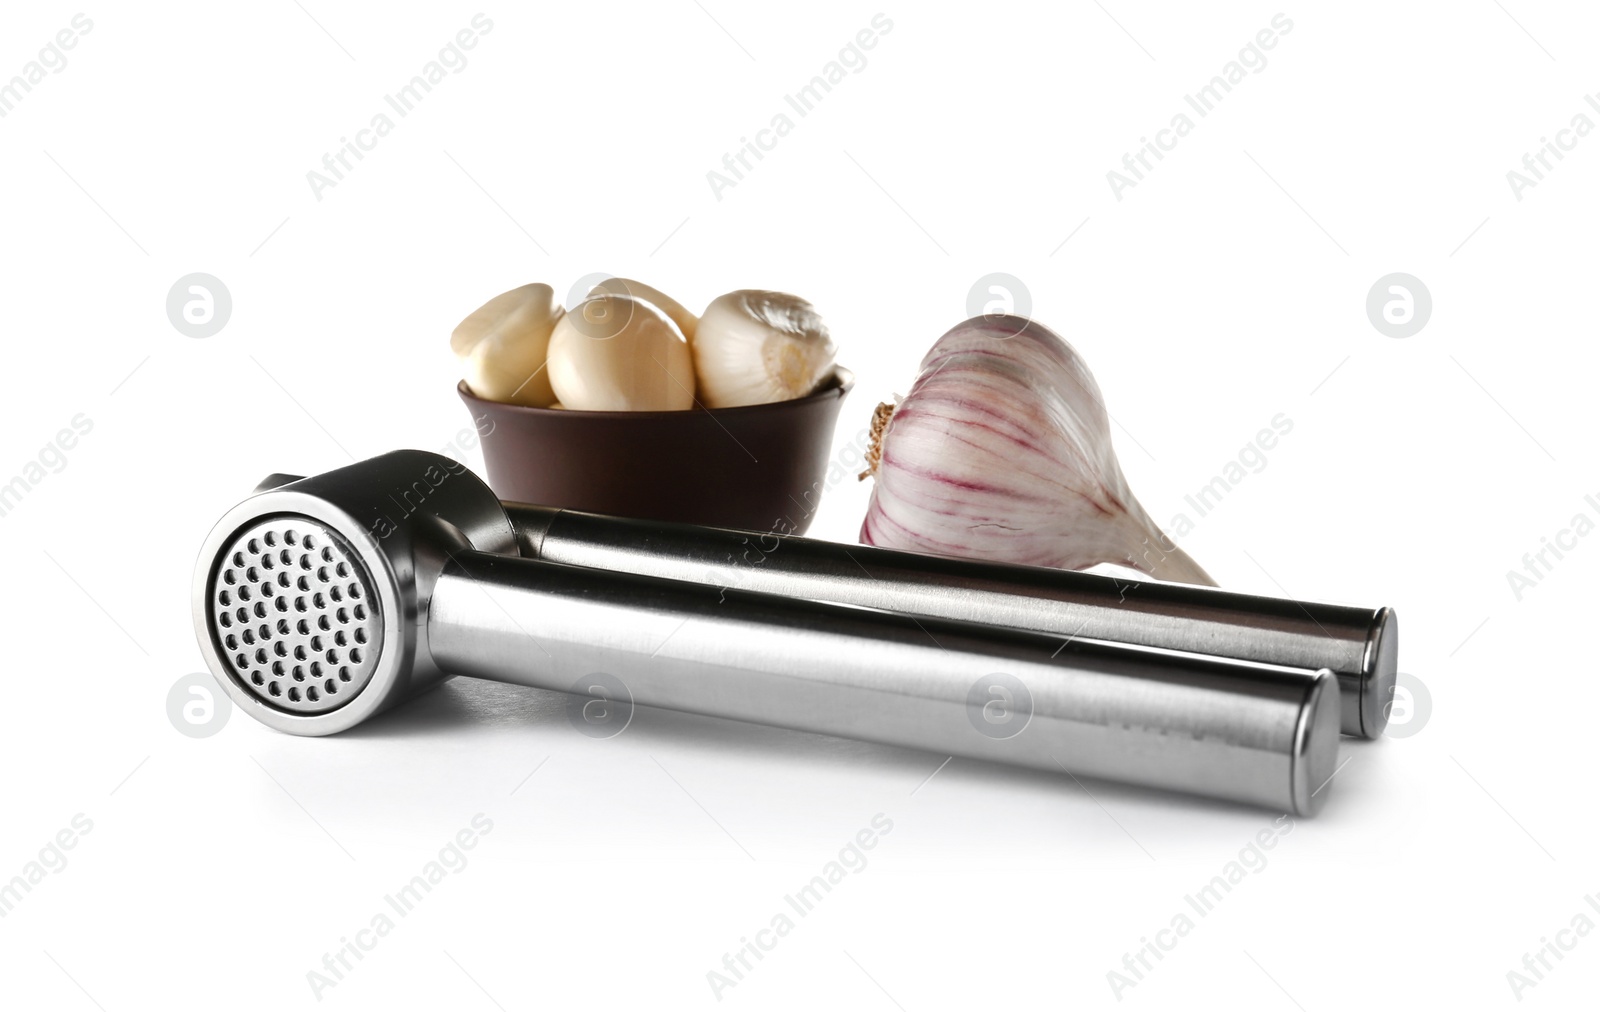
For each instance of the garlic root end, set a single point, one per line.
(880, 421)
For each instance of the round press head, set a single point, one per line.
(295, 612)
(310, 598)
(295, 615)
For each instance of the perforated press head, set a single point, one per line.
(295, 611)
(310, 598)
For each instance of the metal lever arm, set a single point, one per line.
(1246, 732)
(1358, 644)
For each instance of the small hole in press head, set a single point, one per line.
(263, 633)
(242, 615)
(238, 559)
(332, 656)
(283, 627)
(254, 546)
(283, 580)
(244, 594)
(252, 575)
(248, 637)
(344, 674)
(361, 613)
(280, 648)
(261, 656)
(343, 616)
(225, 620)
(311, 693)
(342, 569)
(316, 643)
(241, 661)
(305, 562)
(311, 541)
(282, 604)
(361, 635)
(330, 686)
(228, 577)
(300, 604)
(225, 598)
(335, 594)
(303, 628)
(277, 668)
(270, 538)
(323, 623)
(255, 677)
(294, 694)
(299, 673)
(339, 638)
(355, 591)
(266, 562)
(290, 537)
(286, 557)
(318, 601)
(355, 655)
(322, 572)
(299, 653)
(274, 690)
(231, 641)
(261, 609)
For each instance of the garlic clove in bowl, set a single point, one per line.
(755, 347)
(618, 353)
(686, 321)
(1002, 451)
(502, 346)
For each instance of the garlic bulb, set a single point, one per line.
(686, 321)
(502, 346)
(616, 353)
(757, 347)
(1002, 451)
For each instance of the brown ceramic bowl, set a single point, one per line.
(758, 468)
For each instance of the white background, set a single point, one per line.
(1226, 288)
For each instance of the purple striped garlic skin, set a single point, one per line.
(1002, 451)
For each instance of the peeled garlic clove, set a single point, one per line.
(686, 321)
(502, 346)
(758, 347)
(1002, 451)
(615, 353)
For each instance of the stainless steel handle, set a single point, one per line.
(1358, 644)
(1227, 729)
